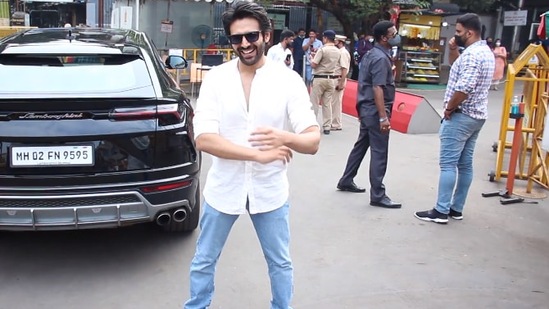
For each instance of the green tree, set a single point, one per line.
(476, 6)
(363, 12)
(352, 12)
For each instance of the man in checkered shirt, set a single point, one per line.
(466, 110)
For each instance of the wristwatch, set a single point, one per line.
(383, 119)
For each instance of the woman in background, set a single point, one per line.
(500, 53)
(490, 42)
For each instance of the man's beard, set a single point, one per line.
(260, 50)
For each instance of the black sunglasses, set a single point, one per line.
(250, 37)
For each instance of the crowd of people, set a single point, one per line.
(324, 62)
(254, 137)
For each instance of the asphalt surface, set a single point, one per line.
(346, 253)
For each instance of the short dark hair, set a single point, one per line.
(301, 29)
(286, 34)
(244, 9)
(380, 29)
(312, 30)
(470, 21)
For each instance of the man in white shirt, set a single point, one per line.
(243, 130)
(342, 69)
(281, 52)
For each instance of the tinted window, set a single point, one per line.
(87, 75)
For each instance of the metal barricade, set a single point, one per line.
(527, 160)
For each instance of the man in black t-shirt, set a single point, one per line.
(297, 50)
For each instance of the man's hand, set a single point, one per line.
(282, 153)
(385, 126)
(452, 43)
(267, 138)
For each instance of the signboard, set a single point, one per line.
(126, 17)
(515, 18)
(279, 21)
(406, 2)
(175, 52)
(166, 26)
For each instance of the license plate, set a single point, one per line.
(74, 155)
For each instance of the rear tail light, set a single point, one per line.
(133, 113)
(166, 113)
(166, 187)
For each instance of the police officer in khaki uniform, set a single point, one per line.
(325, 79)
(342, 69)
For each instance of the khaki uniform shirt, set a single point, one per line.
(327, 58)
(344, 61)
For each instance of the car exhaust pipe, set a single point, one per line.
(163, 218)
(179, 215)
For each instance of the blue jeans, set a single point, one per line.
(272, 229)
(457, 145)
(308, 74)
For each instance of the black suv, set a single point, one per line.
(94, 132)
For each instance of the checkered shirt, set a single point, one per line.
(472, 73)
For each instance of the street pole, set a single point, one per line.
(499, 24)
(137, 15)
(100, 15)
(514, 47)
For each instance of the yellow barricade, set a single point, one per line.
(531, 67)
(5, 31)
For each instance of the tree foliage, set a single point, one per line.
(351, 12)
(475, 5)
(362, 14)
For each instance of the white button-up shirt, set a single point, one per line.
(277, 53)
(279, 99)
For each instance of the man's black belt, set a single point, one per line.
(326, 76)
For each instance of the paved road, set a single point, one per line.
(347, 254)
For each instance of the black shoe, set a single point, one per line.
(326, 132)
(455, 215)
(351, 188)
(386, 203)
(432, 216)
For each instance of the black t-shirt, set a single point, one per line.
(298, 48)
(375, 70)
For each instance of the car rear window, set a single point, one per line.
(86, 75)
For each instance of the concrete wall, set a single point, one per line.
(185, 16)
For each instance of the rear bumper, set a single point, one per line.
(92, 208)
